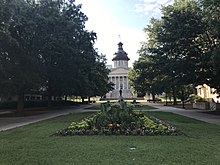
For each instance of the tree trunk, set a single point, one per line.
(174, 96)
(153, 97)
(183, 99)
(20, 102)
(83, 99)
(166, 98)
(49, 99)
(194, 89)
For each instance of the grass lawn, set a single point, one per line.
(142, 107)
(95, 107)
(33, 145)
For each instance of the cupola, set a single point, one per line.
(120, 58)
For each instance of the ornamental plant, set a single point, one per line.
(119, 119)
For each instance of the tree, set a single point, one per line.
(45, 45)
(211, 10)
(66, 48)
(177, 48)
(185, 60)
(98, 77)
(19, 63)
(144, 77)
(183, 24)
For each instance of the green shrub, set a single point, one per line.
(195, 98)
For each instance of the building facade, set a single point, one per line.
(208, 93)
(119, 75)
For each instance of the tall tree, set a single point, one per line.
(177, 47)
(98, 77)
(144, 77)
(19, 63)
(183, 23)
(45, 44)
(65, 46)
(211, 10)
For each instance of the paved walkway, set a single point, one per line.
(13, 122)
(192, 113)
(7, 123)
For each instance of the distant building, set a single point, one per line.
(208, 93)
(119, 75)
(109, 67)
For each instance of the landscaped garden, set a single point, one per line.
(33, 144)
(119, 119)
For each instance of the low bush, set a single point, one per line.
(195, 98)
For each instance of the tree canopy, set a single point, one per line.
(44, 46)
(182, 48)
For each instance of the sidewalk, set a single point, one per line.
(13, 122)
(7, 123)
(192, 113)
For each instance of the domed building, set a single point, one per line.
(119, 75)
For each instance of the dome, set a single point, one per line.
(121, 54)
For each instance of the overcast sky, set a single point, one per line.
(127, 18)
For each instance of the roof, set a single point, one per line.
(121, 54)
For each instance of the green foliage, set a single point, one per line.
(211, 15)
(119, 119)
(195, 98)
(144, 77)
(99, 83)
(180, 49)
(185, 92)
(44, 45)
(19, 61)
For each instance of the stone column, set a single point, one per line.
(118, 82)
(115, 82)
(127, 81)
(123, 82)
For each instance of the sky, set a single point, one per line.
(123, 21)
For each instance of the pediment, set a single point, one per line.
(116, 71)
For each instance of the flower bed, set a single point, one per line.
(119, 119)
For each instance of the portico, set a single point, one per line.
(120, 81)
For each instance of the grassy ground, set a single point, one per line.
(142, 107)
(95, 107)
(33, 145)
